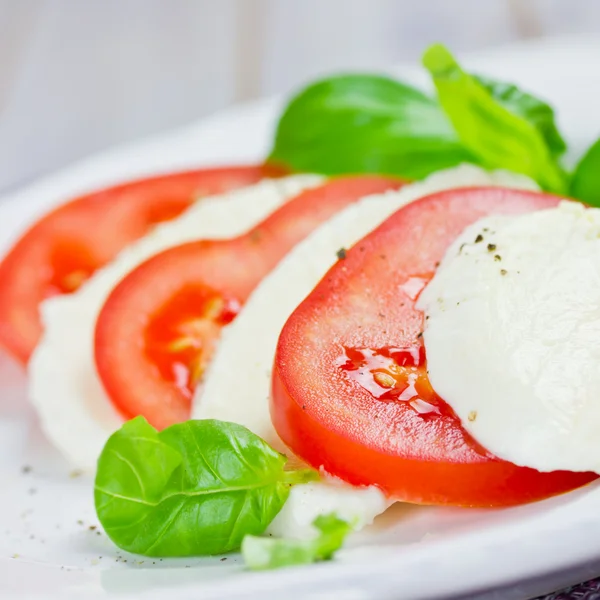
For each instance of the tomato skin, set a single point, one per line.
(67, 245)
(330, 421)
(487, 483)
(129, 361)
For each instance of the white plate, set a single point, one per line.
(49, 546)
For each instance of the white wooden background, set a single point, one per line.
(77, 76)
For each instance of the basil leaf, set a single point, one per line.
(498, 137)
(366, 124)
(194, 488)
(532, 109)
(272, 553)
(585, 183)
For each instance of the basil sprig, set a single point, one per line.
(366, 124)
(369, 123)
(195, 488)
(272, 553)
(497, 135)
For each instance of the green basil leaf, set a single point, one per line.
(194, 488)
(498, 137)
(532, 109)
(271, 553)
(366, 124)
(585, 183)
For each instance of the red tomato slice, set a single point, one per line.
(350, 390)
(66, 246)
(158, 328)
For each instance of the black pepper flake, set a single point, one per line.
(461, 247)
(503, 271)
(497, 258)
(362, 248)
(304, 407)
(383, 256)
(437, 264)
(341, 253)
(420, 335)
(224, 558)
(25, 469)
(381, 315)
(92, 527)
(478, 239)
(79, 522)
(491, 247)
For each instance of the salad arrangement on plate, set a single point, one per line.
(401, 305)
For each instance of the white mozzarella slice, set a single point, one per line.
(74, 410)
(513, 336)
(356, 505)
(237, 384)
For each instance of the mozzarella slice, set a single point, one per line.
(75, 412)
(237, 384)
(356, 505)
(513, 336)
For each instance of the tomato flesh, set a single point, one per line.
(181, 336)
(350, 391)
(158, 328)
(64, 248)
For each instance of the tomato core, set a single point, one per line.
(180, 337)
(71, 265)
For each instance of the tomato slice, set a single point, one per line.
(157, 330)
(350, 391)
(66, 246)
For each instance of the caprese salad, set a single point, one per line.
(401, 305)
